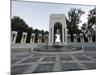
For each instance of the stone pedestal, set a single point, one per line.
(57, 21)
(81, 37)
(32, 38)
(75, 38)
(13, 36)
(89, 36)
(24, 37)
(40, 38)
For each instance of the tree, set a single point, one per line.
(84, 28)
(91, 18)
(91, 23)
(18, 24)
(29, 30)
(46, 32)
(73, 20)
(36, 32)
(42, 32)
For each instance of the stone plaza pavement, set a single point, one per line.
(23, 61)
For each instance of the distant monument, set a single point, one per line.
(57, 30)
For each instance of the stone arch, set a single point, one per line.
(57, 21)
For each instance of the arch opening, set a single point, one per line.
(57, 32)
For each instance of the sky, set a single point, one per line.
(36, 14)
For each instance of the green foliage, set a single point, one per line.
(90, 25)
(91, 22)
(84, 26)
(73, 20)
(92, 18)
(18, 24)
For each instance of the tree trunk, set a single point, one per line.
(72, 38)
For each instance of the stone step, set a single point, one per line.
(57, 44)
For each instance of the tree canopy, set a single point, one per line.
(91, 18)
(91, 22)
(18, 24)
(73, 20)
